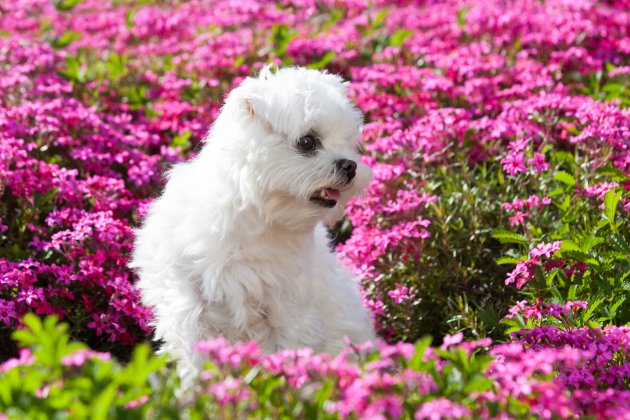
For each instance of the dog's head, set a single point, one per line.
(300, 134)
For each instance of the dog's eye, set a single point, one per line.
(308, 143)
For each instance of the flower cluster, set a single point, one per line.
(549, 373)
(524, 270)
(497, 131)
(585, 359)
(606, 351)
(538, 309)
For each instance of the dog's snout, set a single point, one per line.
(346, 167)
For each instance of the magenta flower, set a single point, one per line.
(441, 408)
(400, 294)
(538, 162)
(514, 163)
(518, 218)
(450, 340)
(25, 358)
(80, 161)
(228, 391)
(522, 273)
(79, 357)
(600, 190)
(516, 204)
(7, 311)
(545, 249)
(137, 402)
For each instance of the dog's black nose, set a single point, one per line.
(346, 167)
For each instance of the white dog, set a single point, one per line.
(236, 247)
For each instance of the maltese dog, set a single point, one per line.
(237, 246)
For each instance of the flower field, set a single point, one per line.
(498, 221)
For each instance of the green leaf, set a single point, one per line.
(564, 157)
(565, 178)
(461, 16)
(507, 260)
(519, 408)
(41, 200)
(64, 40)
(569, 245)
(181, 140)
(399, 37)
(489, 317)
(612, 172)
(581, 256)
(610, 206)
(589, 242)
(334, 16)
(100, 407)
(555, 192)
(555, 292)
(73, 70)
(129, 18)
(323, 394)
(619, 243)
(592, 306)
(322, 62)
(507, 237)
(281, 35)
(416, 362)
(65, 5)
(617, 304)
(380, 17)
(116, 66)
(478, 383)
(566, 203)
(29, 336)
(514, 324)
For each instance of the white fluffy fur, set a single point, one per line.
(234, 247)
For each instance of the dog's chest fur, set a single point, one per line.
(265, 280)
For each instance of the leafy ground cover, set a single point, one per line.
(497, 222)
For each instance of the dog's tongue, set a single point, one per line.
(332, 194)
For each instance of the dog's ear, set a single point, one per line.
(258, 109)
(248, 98)
(253, 106)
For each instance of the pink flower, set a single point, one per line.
(450, 340)
(400, 294)
(441, 408)
(7, 311)
(79, 357)
(518, 218)
(538, 161)
(25, 358)
(517, 309)
(533, 201)
(521, 274)
(516, 204)
(576, 305)
(137, 402)
(230, 390)
(546, 249)
(514, 163)
(600, 190)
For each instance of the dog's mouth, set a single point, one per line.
(326, 197)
